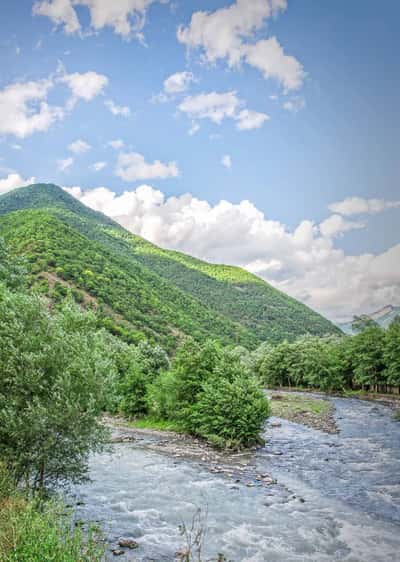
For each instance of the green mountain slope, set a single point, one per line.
(144, 291)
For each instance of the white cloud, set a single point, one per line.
(294, 105)
(79, 146)
(85, 85)
(229, 34)
(24, 109)
(303, 262)
(247, 120)
(116, 144)
(178, 82)
(16, 146)
(64, 164)
(219, 106)
(98, 166)
(227, 161)
(14, 180)
(115, 109)
(359, 205)
(131, 166)
(61, 12)
(125, 17)
(269, 58)
(336, 225)
(213, 105)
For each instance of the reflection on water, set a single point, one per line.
(338, 496)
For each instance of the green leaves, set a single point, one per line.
(54, 373)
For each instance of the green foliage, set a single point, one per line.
(144, 292)
(370, 359)
(392, 353)
(211, 394)
(54, 371)
(41, 532)
(162, 399)
(230, 413)
(367, 356)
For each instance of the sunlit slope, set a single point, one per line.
(148, 291)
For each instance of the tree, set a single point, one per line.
(53, 380)
(391, 353)
(367, 357)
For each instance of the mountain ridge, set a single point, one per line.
(225, 302)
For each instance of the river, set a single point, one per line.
(337, 497)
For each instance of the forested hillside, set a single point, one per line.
(141, 290)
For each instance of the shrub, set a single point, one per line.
(230, 413)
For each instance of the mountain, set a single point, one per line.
(141, 289)
(384, 317)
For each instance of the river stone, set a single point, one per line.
(117, 552)
(128, 543)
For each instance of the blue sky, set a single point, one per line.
(323, 127)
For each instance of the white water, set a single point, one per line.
(350, 483)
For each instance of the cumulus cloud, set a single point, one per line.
(61, 12)
(303, 262)
(219, 106)
(248, 120)
(79, 146)
(336, 225)
(230, 34)
(83, 85)
(227, 161)
(125, 17)
(178, 82)
(359, 205)
(131, 166)
(24, 109)
(98, 166)
(64, 164)
(14, 180)
(115, 109)
(213, 106)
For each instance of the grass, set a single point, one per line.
(33, 531)
(148, 422)
(287, 405)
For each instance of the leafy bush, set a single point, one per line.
(230, 413)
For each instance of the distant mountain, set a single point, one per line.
(141, 289)
(384, 317)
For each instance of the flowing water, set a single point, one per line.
(337, 497)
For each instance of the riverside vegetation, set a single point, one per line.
(86, 327)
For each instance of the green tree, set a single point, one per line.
(53, 379)
(367, 357)
(392, 353)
